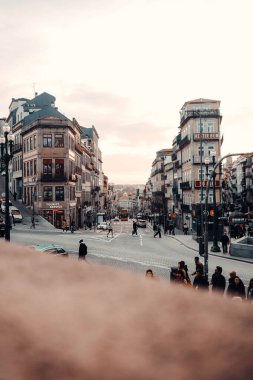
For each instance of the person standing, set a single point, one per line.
(110, 230)
(134, 232)
(158, 231)
(225, 242)
(218, 281)
(82, 250)
(32, 222)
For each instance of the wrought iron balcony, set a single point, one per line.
(53, 178)
(185, 185)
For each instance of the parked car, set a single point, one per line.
(116, 219)
(102, 226)
(3, 206)
(54, 249)
(16, 214)
(141, 223)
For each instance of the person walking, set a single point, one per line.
(225, 242)
(32, 222)
(72, 227)
(236, 288)
(64, 225)
(199, 266)
(158, 231)
(13, 220)
(82, 250)
(199, 281)
(218, 281)
(110, 230)
(134, 232)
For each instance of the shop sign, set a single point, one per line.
(54, 205)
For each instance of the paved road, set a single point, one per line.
(135, 253)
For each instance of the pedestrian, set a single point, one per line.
(232, 276)
(15, 196)
(158, 231)
(150, 274)
(236, 288)
(185, 228)
(199, 266)
(218, 281)
(110, 230)
(225, 242)
(72, 227)
(171, 227)
(82, 250)
(64, 225)
(200, 282)
(32, 222)
(134, 232)
(250, 291)
(13, 220)
(154, 227)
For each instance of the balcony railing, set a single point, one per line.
(178, 164)
(16, 148)
(185, 208)
(184, 141)
(174, 156)
(53, 178)
(200, 113)
(204, 183)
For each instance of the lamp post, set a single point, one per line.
(6, 142)
(215, 247)
(206, 200)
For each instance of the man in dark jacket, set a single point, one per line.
(199, 281)
(225, 242)
(218, 281)
(82, 250)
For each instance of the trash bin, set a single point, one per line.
(173, 273)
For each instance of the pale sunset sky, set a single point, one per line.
(128, 66)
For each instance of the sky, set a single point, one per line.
(128, 66)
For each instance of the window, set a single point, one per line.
(59, 140)
(35, 167)
(47, 167)
(35, 141)
(31, 143)
(24, 146)
(31, 168)
(59, 193)
(47, 141)
(27, 169)
(72, 193)
(47, 193)
(59, 167)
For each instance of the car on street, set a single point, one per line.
(102, 226)
(16, 214)
(54, 249)
(141, 223)
(116, 219)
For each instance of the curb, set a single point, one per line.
(213, 254)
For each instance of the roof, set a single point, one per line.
(40, 101)
(87, 132)
(47, 111)
(201, 100)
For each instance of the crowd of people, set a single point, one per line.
(234, 289)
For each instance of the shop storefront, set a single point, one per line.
(54, 214)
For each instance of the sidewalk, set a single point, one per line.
(190, 243)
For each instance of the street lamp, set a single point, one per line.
(6, 142)
(215, 247)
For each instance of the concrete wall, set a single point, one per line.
(242, 247)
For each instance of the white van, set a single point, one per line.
(3, 206)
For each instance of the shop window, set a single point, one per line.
(59, 193)
(47, 193)
(47, 141)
